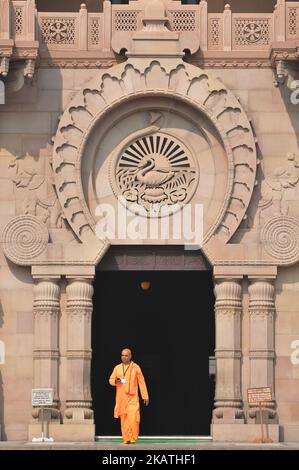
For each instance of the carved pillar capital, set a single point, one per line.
(261, 295)
(79, 296)
(46, 293)
(228, 293)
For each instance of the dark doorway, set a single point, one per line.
(170, 329)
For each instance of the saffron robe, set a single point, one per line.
(127, 399)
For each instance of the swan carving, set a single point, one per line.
(154, 170)
(153, 176)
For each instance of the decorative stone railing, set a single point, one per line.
(84, 35)
(18, 35)
(240, 32)
(23, 20)
(292, 20)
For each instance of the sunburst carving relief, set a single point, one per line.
(183, 83)
(153, 172)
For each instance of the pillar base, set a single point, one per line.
(243, 432)
(63, 432)
(289, 432)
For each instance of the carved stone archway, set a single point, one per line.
(130, 83)
(154, 70)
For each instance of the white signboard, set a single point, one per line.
(42, 397)
(259, 395)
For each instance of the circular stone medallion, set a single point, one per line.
(154, 175)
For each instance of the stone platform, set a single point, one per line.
(141, 445)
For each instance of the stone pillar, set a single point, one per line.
(46, 354)
(280, 11)
(83, 28)
(79, 311)
(228, 310)
(30, 14)
(227, 28)
(5, 18)
(262, 352)
(107, 34)
(203, 8)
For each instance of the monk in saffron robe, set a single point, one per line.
(126, 377)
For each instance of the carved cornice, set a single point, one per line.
(224, 62)
(80, 63)
(6, 51)
(287, 51)
(24, 53)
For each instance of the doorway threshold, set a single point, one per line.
(160, 438)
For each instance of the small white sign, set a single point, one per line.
(259, 395)
(2, 92)
(42, 397)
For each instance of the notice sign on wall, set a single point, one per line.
(259, 395)
(42, 397)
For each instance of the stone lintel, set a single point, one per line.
(56, 271)
(238, 272)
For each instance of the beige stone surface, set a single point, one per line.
(242, 432)
(62, 135)
(65, 432)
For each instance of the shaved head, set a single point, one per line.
(126, 356)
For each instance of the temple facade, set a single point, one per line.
(131, 116)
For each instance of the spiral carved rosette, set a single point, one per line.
(280, 237)
(24, 238)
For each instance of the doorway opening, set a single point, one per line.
(170, 329)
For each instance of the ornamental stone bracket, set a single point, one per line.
(5, 55)
(153, 80)
(18, 44)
